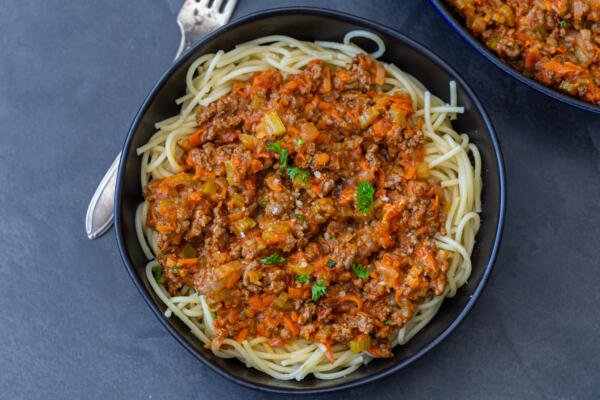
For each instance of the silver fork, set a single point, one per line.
(196, 19)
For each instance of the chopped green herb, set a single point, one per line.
(273, 259)
(283, 153)
(158, 276)
(264, 201)
(331, 263)
(318, 289)
(364, 196)
(176, 267)
(295, 171)
(299, 142)
(292, 171)
(303, 175)
(214, 314)
(333, 237)
(563, 23)
(387, 322)
(300, 216)
(360, 270)
(304, 278)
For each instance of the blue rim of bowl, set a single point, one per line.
(376, 27)
(459, 28)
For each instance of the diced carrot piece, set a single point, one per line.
(241, 335)
(232, 279)
(290, 326)
(187, 261)
(329, 352)
(196, 139)
(321, 159)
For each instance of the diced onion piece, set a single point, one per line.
(581, 56)
(209, 187)
(387, 272)
(254, 277)
(259, 245)
(566, 86)
(280, 301)
(360, 344)
(273, 182)
(369, 116)
(258, 101)
(398, 114)
(309, 132)
(276, 232)
(261, 130)
(498, 17)
(479, 25)
(273, 123)
(492, 43)
(423, 170)
(507, 12)
(379, 78)
(232, 178)
(237, 200)
(298, 264)
(248, 141)
(243, 225)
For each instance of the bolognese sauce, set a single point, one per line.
(557, 42)
(305, 210)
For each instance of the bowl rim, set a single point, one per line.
(367, 24)
(459, 28)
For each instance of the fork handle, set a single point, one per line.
(100, 212)
(184, 43)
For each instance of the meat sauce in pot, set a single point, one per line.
(556, 42)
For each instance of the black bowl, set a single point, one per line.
(452, 18)
(311, 24)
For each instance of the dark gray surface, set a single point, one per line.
(72, 323)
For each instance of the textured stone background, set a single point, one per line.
(72, 75)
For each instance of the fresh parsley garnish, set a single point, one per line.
(300, 173)
(331, 263)
(264, 201)
(214, 314)
(563, 23)
(318, 289)
(360, 270)
(283, 153)
(304, 278)
(158, 276)
(176, 267)
(364, 196)
(273, 259)
(387, 322)
(299, 142)
(300, 216)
